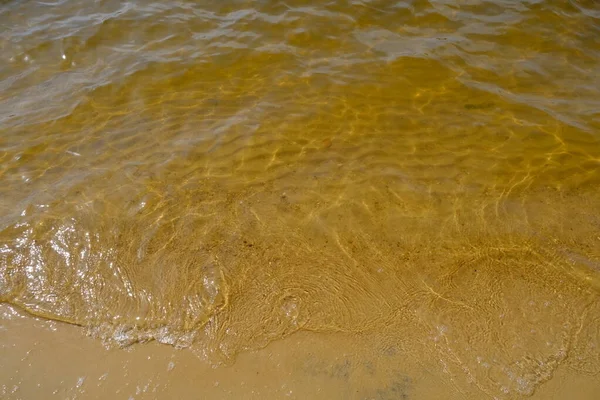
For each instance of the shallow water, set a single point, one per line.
(421, 177)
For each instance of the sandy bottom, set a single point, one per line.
(293, 199)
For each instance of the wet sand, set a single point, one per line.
(43, 359)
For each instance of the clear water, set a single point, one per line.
(421, 175)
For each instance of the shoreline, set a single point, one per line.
(48, 359)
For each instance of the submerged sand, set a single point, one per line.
(285, 199)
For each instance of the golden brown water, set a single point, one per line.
(416, 181)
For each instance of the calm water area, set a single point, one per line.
(300, 199)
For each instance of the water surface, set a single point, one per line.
(422, 176)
